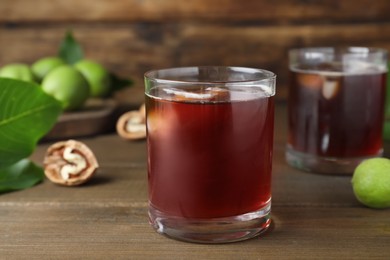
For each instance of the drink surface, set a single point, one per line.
(335, 113)
(210, 153)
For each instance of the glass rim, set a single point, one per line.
(151, 75)
(344, 49)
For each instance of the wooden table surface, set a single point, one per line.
(314, 216)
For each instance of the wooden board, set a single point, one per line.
(96, 117)
(130, 37)
(314, 216)
(131, 50)
(202, 10)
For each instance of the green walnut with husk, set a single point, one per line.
(43, 66)
(97, 76)
(67, 85)
(18, 71)
(69, 77)
(371, 183)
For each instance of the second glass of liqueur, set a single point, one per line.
(336, 107)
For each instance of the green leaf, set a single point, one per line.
(386, 126)
(21, 175)
(386, 130)
(27, 113)
(70, 50)
(387, 109)
(119, 83)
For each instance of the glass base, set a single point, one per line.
(324, 165)
(214, 230)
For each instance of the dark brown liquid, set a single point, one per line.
(209, 159)
(336, 115)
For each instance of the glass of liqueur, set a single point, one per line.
(335, 107)
(209, 140)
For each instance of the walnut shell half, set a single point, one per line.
(69, 163)
(131, 125)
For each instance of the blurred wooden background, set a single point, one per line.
(132, 36)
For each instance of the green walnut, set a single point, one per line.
(43, 66)
(371, 182)
(67, 85)
(18, 71)
(97, 76)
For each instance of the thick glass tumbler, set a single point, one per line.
(209, 140)
(336, 107)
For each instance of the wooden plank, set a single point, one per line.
(122, 177)
(122, 232)
(282, 11)
(314, 216)
(130, 50)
